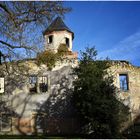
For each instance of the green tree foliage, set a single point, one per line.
(47, 57)
(94, 97)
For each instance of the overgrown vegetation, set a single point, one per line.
(101, 113)
(63, 50)
(50, 58)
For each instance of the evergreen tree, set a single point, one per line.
(94, 97)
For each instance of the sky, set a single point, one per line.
(112, 27)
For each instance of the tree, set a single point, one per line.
(22, 23)
(94, 97)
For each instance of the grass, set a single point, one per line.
(39, 137)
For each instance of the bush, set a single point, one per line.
(48, 57)
(63, 50)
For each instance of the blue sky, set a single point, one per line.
(113, 27)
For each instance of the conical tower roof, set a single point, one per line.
(58, 25)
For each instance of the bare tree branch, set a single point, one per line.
(4, 8)
(14, 47)
(22, 24)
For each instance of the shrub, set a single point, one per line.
(48, 57)
(62, 50)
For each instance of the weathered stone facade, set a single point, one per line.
(36, 100)
(130, 97)
(53, 105)
(34, 96)
(52, 112)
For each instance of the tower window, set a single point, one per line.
(50, 39)
(67, 42)
(123, 82)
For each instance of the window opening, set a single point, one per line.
(123, 82)
(50, 39)
(33, 83)
(43, 84)
(67, 42)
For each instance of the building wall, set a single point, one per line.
(58, 38)
(54, 105)
(54, 108)
(131, 97)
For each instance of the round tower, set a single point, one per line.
(58, 33)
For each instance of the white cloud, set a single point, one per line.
(127, 49)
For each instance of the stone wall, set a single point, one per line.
(52, 112)
(130, 97)
(55, 103)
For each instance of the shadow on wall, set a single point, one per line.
(57, 115)
(6, 115)
(15, 76)
(16, 82)
(133, 130)
(12, 122)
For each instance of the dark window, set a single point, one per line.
(43, 84)
(67, 42)
(33, 83)
(50, 39)
(123, 82)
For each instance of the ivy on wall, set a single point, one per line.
(49, 57)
